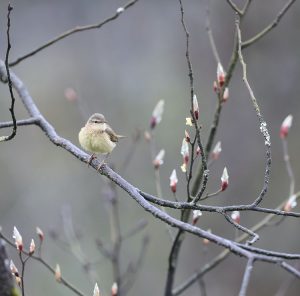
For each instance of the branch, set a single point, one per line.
(11, 109)
(72, 31)
(29, 121)
(271, 26)
(246, 278)
(47, 265)
(235, 8)
(263, 124)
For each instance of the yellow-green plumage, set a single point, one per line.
(97, 136)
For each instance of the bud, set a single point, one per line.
(220, 75)
(236, 217)
(13, 269)
(198, 151)
(205, 240)
(215, 86)
(70, 94)
(224, 179)
(188, 121)
(196, 215)
(57, 273)
(18, 239)
(187, 136)
(216, 151)
(225, 95)
(31, 247)
(195, 107)
(185, 151)
(96, 290)
(157, 114)
(173, 181)
(120, 10)
(40, 233)
(290, 204)
(285, 126)
(147, 136)
(159, 159)
(114, 289)
(183, 168)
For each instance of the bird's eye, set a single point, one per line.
(96, 121)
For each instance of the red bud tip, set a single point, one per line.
(285, 126)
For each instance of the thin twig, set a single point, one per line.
(210, 35)
(246, 278)
(47, 265)
(11, 109)
(22, 122)
(271, 26)
(263, 124)
(288, 166)
(72, 31)
(234, 7)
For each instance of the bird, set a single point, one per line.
(98, 137)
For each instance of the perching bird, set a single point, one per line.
(98, 137)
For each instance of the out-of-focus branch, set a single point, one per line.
(246, 278)
(270, 27)
(6, 279)
(73, 31)
(11, 109)
(288, 166)
(47, 265)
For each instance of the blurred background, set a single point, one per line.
(122, 71)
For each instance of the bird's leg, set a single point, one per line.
(103, 161)
(93, 156)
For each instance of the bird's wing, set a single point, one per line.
(112, 135)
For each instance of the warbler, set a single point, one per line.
(98, 137)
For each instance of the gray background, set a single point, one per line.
(122, 70)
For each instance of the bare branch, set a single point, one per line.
(29, 121)
(235, 8)
(270, 27)
(73, 31)
(246, 278)
(263, 124)
(11, 109)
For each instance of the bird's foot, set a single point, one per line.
(100, 165)
(93, 156)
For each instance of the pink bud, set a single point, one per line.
(225, 95)
(187, 136)
(285, 126)
(215, 87)
(157, 114)
(290, 204)
(196, 215)
(18, 239)
(216, 151)
(96, 290)
(31, 247)
(173, 181)
(159, 159)
(114, 289)
(224, 179)
(198, 150)
(40, 233)
(57, 273)
(205, 240)
(236, 217)
(185, 151)
(220, 75)
(13, 269)
(195, 107)
(71, 95)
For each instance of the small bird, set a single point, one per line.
(98, 137)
